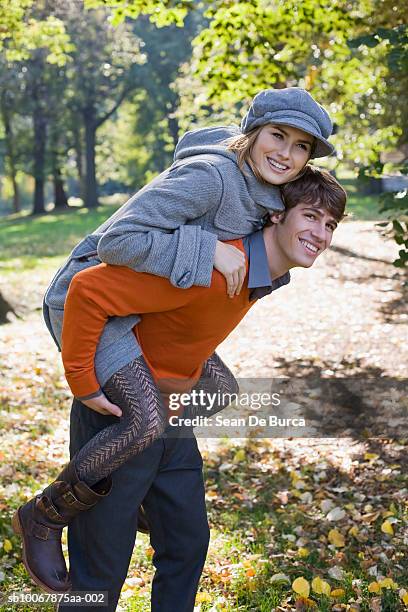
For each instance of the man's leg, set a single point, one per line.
(179, 533)
(101, 541)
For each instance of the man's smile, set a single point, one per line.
(312, 248)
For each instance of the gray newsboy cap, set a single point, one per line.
(292, 106)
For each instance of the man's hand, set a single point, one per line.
(230, 261)
(102, 405)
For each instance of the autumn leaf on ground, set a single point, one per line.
(387, 528)
(321, 586)
(336, 538)
(301, 587)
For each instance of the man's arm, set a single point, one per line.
(96, 294)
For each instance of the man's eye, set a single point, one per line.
(311, 216)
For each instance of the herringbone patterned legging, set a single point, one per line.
(144, 416)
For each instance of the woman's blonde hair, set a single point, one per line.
(242, 145)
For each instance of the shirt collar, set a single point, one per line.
(259, 277)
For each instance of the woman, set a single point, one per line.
(222, 185)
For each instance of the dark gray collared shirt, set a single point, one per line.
(259, 277)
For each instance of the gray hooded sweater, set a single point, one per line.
(169, 228)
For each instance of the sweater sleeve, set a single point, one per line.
(95, 294)
(153, 235)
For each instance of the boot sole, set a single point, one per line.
(18, 530)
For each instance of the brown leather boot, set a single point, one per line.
(41, 520)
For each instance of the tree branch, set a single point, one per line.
(119, 101)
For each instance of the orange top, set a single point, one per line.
(179, 330)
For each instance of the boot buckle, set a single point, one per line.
(46, 506)
(69, 497)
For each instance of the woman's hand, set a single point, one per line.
(102, 405)
(230, 261)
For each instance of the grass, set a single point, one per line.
(28, 241)
(361, 207)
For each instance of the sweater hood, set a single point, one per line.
(206, 140)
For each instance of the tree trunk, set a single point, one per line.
(91, 190)
(40, 134)
(60, 197)
(173, 123)
(79, 160)
(10, 154)
(5, 308)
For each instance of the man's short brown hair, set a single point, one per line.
(316, 187)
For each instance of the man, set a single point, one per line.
(178, 330)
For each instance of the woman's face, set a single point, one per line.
(280, 152)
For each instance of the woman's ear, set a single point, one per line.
(276, 217)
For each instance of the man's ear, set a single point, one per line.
(276, 217)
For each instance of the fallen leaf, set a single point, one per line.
(326, 505)
(388, 583)
(301, 587)
(279, 578)
(336, 572)
(370, 456)
(337, 593)
(375, 604)
(239, 456)
(321, 586)
(7, 545)
(203, 598)
(336, 514)
(387, 528)
(336, 538)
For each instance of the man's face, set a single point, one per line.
(280, 152)
(303, 233)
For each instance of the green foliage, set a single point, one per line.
(21, 32)
(394, 204)
(161, 12)
(252, 45)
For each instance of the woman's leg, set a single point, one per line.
(143, 420)
(86, 478)
(217, 380)
(144, 415)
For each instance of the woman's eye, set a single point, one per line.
(277, 135)
(303, 146)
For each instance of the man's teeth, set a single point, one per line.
(309, 246)
(277, 164)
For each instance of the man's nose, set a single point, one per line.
(319, 231)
